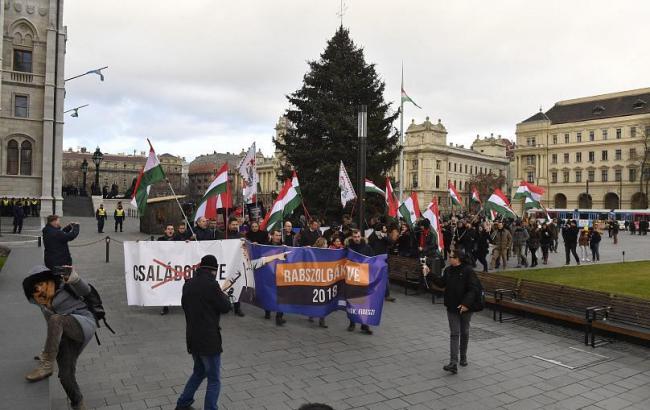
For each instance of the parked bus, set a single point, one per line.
(587, 217)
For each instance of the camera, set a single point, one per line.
(62, 270)
(423, 260)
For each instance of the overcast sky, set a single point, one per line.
(203, 75)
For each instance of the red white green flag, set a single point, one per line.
(499, 203)
(410, 209)
(432, 213)
(217, 191)
(371, 188)
(151, 173)
(529, 190)
(293, 198)
(275, 215)
(475, 196)
(391, 201)
(454, 195)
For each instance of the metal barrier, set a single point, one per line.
(593, 314)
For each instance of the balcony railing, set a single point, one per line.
(23, 77)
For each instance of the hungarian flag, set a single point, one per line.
(500, 204)
(454, 195)
(217, 192)
(275, 215)
(526, 190)
(406, 98)
(371, 188)
(410, 209)
(433, 215)
(293, 198)
(150, 174)
(475, 196)
(530, 203)
(391, 201)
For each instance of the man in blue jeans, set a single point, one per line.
(203, 302)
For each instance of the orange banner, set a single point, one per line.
(322, 273)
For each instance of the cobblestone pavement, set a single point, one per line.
(516, 365)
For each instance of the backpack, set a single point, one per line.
(94, 303)
(478, 304)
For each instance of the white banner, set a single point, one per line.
(347, 191)
(247, 168)
(155, 272)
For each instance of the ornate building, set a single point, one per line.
(32, 57)
(589, 152)
(430, 163)
(119, 169)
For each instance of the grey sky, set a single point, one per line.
(203, 75)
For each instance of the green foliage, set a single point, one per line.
(323, 130)
(630, 278)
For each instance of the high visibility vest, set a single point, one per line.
(5, 202)
(34, 202)
(119, 212)
(101, 212)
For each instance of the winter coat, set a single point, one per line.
(379, 245)
(405, 244)
(545, 238)
(460, 283)
(595, 239)
(429, 242)
(502, 239)
(483, 243)
(362, 247)
(55, 241)
(553, 230)
(203, 302)
(534, 238)
(570, 235)
(204, 234)
(520, 236)
(308, 237)
(583, 240)
(261, 237)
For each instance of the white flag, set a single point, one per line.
(347, 191)
(248, 171)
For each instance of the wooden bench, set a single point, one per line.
(408, 271)
(626, 316)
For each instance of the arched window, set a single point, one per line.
(12, 157)
(26, 158)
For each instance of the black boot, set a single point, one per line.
(351, 327)
(164, 310)
(321, 323)
(463, 361)
(365, 329)
(451, 367)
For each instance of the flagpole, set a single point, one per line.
(401, 137)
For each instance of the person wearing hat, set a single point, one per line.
(203, 302)
(70, 324)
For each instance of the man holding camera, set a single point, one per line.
(55, 241)
(461, 286)
(70, 324)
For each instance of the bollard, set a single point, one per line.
(152, 237)
(39, 241)
(623, 256)
(108, 247)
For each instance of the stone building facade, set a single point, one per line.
(32, 54)
(430, 162)
(120, 169)
(588, 153)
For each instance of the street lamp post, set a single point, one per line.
(362, 127)
(97, 159)
(84, 170)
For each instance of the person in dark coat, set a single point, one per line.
(546, 242)
(378, 239)
(168, 234)
(55, 242)
(534, 238)
(334, 228)
(594, 244)
(19, 215)
(100, 215)
(482, 247)
(406, 241)
(288, 234)
(308, 236)
(182, 233)
(202, 232)
(460, 284)
(358, 244)
(570, 237)
(203, 302)
(257, 235)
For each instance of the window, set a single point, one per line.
(618, 175)
(26, 158)
(603, 175)
(633, 132)
(23, 61)
(632, 175)
(578, 176)
(530, 160)
(554, 159)
(579, 137)
(565, 176)
(437, 181)
(554, 138)
(460, 185)
(554, 177)
(448, 166)
(603, 155)
(415, 180)
(618, 154)
(438, 164)
(21, 106)
(592, 156)
(566, 157)
(455, 167)
(12, 157)
(604, 134)
(591, 135)
(414, 164)
(591, 176)
(566, 138)
(466, 168)
(471, 169)
(530, 176)
(531, 141)
(619, 133)
(578, 156)
(632, 153)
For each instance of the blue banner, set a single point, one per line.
(316, 281)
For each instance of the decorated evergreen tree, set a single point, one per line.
(323, 126)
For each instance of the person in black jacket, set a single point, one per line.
(168, 234)
(257, 235)
(202, 232)
(482, 246)
(182, 234)
(570, 237)
(358, 244)
(55, 241)
(461, 284)
(308, 236)
(203, 302)
(19, 215)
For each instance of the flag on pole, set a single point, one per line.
(151, 173)
(475, 195)
(530, 203)
(371, 188)
(491, 215)
(248, 170)
(208, 204)
(454, 195)
(432, 213)
(410, 209)
(275, 215)
(526, 189)
(406, 98)
(500, 204)
(293, 198)
(347, 191)
(391, 201)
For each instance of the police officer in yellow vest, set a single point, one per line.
(6, 206)
(119, 216)
(34, 206)
(100, 215)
